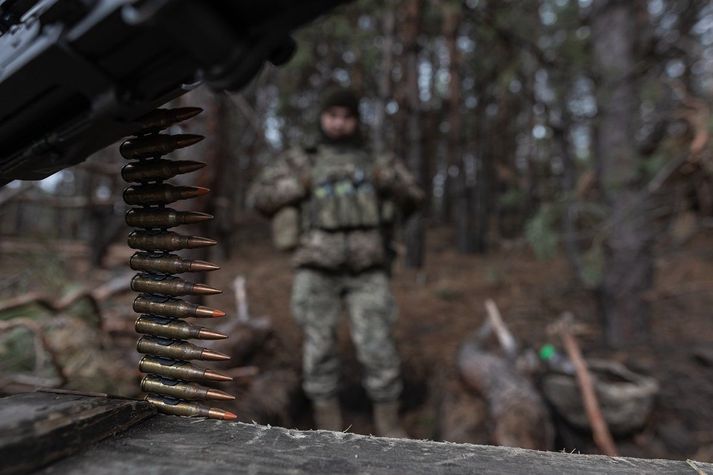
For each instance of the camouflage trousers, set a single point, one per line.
(317, 301)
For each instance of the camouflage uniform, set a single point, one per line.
(347, 201)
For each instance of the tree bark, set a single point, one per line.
(387, 64)
(628, 263)
(454, 142)
(415, 228)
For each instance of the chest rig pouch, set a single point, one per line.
(343, 196)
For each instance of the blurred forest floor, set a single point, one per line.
(438, 307)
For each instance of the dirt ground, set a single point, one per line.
(444, 303)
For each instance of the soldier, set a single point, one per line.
(335, 204)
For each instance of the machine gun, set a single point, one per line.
(78, 75)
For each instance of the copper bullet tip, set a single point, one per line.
(206, 334)
(212, 355)
(219, 395)
(202, 266)
(197, 241)
(188, 166)
(221, 414)
(216, 376)
(195, 217)
(188, 192)
(185, 113)
(202, 289)
(186, 140)
(207, 312)
(202, 190)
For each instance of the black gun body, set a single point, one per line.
(77, 75)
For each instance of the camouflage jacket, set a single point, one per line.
(347, 199)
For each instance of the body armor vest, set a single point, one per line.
(343, 195)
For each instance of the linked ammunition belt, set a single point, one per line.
(171, 381)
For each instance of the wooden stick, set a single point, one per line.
(600, 429)
(505, 338)
(241, 299)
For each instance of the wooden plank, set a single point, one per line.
(39, 428)
(169, 445)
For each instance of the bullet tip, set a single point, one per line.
(195, 217)
(207, 312)
(203, 266)
(216, 376)
(206, 334)
(186, 140)
(185, 113)
(202, 289)
(183, 167)
(219, 395)
(221, 414)
(203, 216)
(212, 355)
(197, 241)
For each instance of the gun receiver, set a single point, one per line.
(76, 75)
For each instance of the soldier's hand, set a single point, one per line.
(382, 178)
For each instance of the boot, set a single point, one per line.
(386, 420)
(327, 414)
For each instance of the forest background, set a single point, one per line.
(569, 138)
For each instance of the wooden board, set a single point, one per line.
(169, 445)
(39, 428)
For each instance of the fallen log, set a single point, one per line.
(94, 296)
(520, 416)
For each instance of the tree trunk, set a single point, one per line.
(484, 175)
(415, 229)
(387, 64)
(456, 158)
(628, 263)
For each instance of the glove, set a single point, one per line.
(383, 178)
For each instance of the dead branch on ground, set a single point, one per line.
(502, 332)
(93, 296)
(520, 416)
(600, 429)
